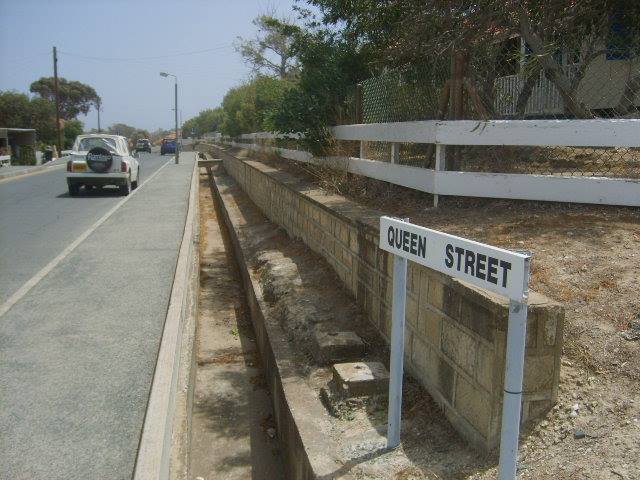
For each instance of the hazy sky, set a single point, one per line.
(119, 47)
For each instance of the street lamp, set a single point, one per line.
(165, 74)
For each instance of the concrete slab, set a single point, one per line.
(330, 346)
(357, 379)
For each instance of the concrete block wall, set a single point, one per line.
(456, 333)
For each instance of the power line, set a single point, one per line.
(137, 59)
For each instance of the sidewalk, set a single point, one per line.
(79, 349)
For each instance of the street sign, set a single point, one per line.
(491, 268)
(496, 269)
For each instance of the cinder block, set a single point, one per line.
(460, 347)
(474, 405)
(329, 346)
(359, 379)
(429, 325)
(538, 373)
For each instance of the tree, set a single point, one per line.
(330, 66)
(414, 32)
(75, 97)
(274, 39)
(72, 128)
(209, 120)
(19, 111)
(252, 106)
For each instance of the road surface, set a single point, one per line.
(82, 309)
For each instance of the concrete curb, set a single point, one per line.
(155, 450)
(31, 170)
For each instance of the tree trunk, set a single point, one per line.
(552, 69)
(525, 93)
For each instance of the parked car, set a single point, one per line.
(168, 145)
(98, 160)
(143, 145)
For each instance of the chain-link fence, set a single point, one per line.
(592, 71)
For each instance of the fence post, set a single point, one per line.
(459, 61)
(395, 152)
(440, 166)
(358, 117)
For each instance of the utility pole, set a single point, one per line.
(98, 105)
(165, 74)
(57, 94)
(177, 140)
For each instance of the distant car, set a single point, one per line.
(143, 145)
(168, 145)
(97, 160)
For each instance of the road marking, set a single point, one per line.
(22, 174)
(33, 281)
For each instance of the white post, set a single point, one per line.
(440, 165)
(363, 149)
(397, 350)
(395, 153)
(513, 377)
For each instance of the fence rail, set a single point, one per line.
(601, 133)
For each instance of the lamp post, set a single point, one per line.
(165, 74)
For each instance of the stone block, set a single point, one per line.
(329, 346)
(460, 347)
(474, 406)
(359, 379)
(538, 373)
(429, 325)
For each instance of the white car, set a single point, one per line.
(97, 160)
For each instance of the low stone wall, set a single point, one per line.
(455, 340)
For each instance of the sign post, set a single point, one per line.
(501, 271)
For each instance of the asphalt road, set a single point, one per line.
(78, 350)
(38, 220)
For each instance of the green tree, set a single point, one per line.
(331, 65)
(270, 53)
(251, 107)
(19, 111)
(75, 97)
(209, 120)
(72, 128)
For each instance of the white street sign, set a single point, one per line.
(495, 269)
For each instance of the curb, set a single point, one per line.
(153, 461)
(29, 171)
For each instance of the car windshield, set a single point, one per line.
(169, 142)
(87, 144)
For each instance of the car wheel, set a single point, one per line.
(126, 188)
(74, 190)
(134, 185)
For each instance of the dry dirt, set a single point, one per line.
(588, 258)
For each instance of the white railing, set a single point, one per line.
(437, 181)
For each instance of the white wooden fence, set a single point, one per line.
(570, 133)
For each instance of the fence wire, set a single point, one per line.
(582, 68)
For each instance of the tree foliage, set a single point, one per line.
(270, 53)
(206, 121)
(251, 107)
(17, 110)
(75, 97)
(330, 67)
(72, 128)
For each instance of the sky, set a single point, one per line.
(119, 47)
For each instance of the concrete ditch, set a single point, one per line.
(331, 420)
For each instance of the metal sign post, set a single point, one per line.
(397, 350)
(501, 271)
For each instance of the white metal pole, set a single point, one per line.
(513, 377)
(397, 350)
